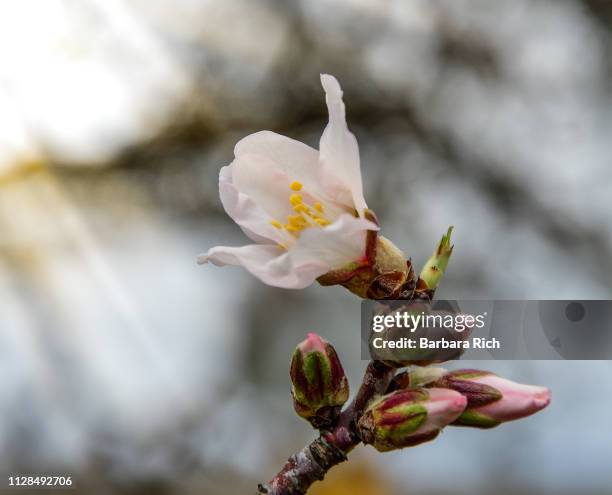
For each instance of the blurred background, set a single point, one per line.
(126, 365)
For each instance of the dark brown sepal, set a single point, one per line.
(422, 292)
(386, 286)
(477, 394)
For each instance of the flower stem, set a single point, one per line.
(312, 462)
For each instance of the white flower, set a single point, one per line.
(304, 208)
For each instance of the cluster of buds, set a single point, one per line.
(421, 403)
(418, 404)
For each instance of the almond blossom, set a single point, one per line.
(304, 209)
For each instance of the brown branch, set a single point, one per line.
(313, 461)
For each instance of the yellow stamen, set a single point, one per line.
(312, 214)
(281, 246)
(296, 221)
(306, 215)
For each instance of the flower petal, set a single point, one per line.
(339, 152)
(257, 177)
(336, 245)
(443, 407)
(268, 264)
(267, 183)
(518, 400)
(252, 219)
(265, 166)
(251, 255)
(316, 252)
(296, 159)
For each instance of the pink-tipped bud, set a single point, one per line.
(406, 418)
(493, 400)
(319, 385)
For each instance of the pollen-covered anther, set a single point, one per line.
(296, 223)
(306, 215)
(296, 220)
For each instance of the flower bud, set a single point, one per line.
(319, 385)
(436, 265)
(492, 400)
(406, 418)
